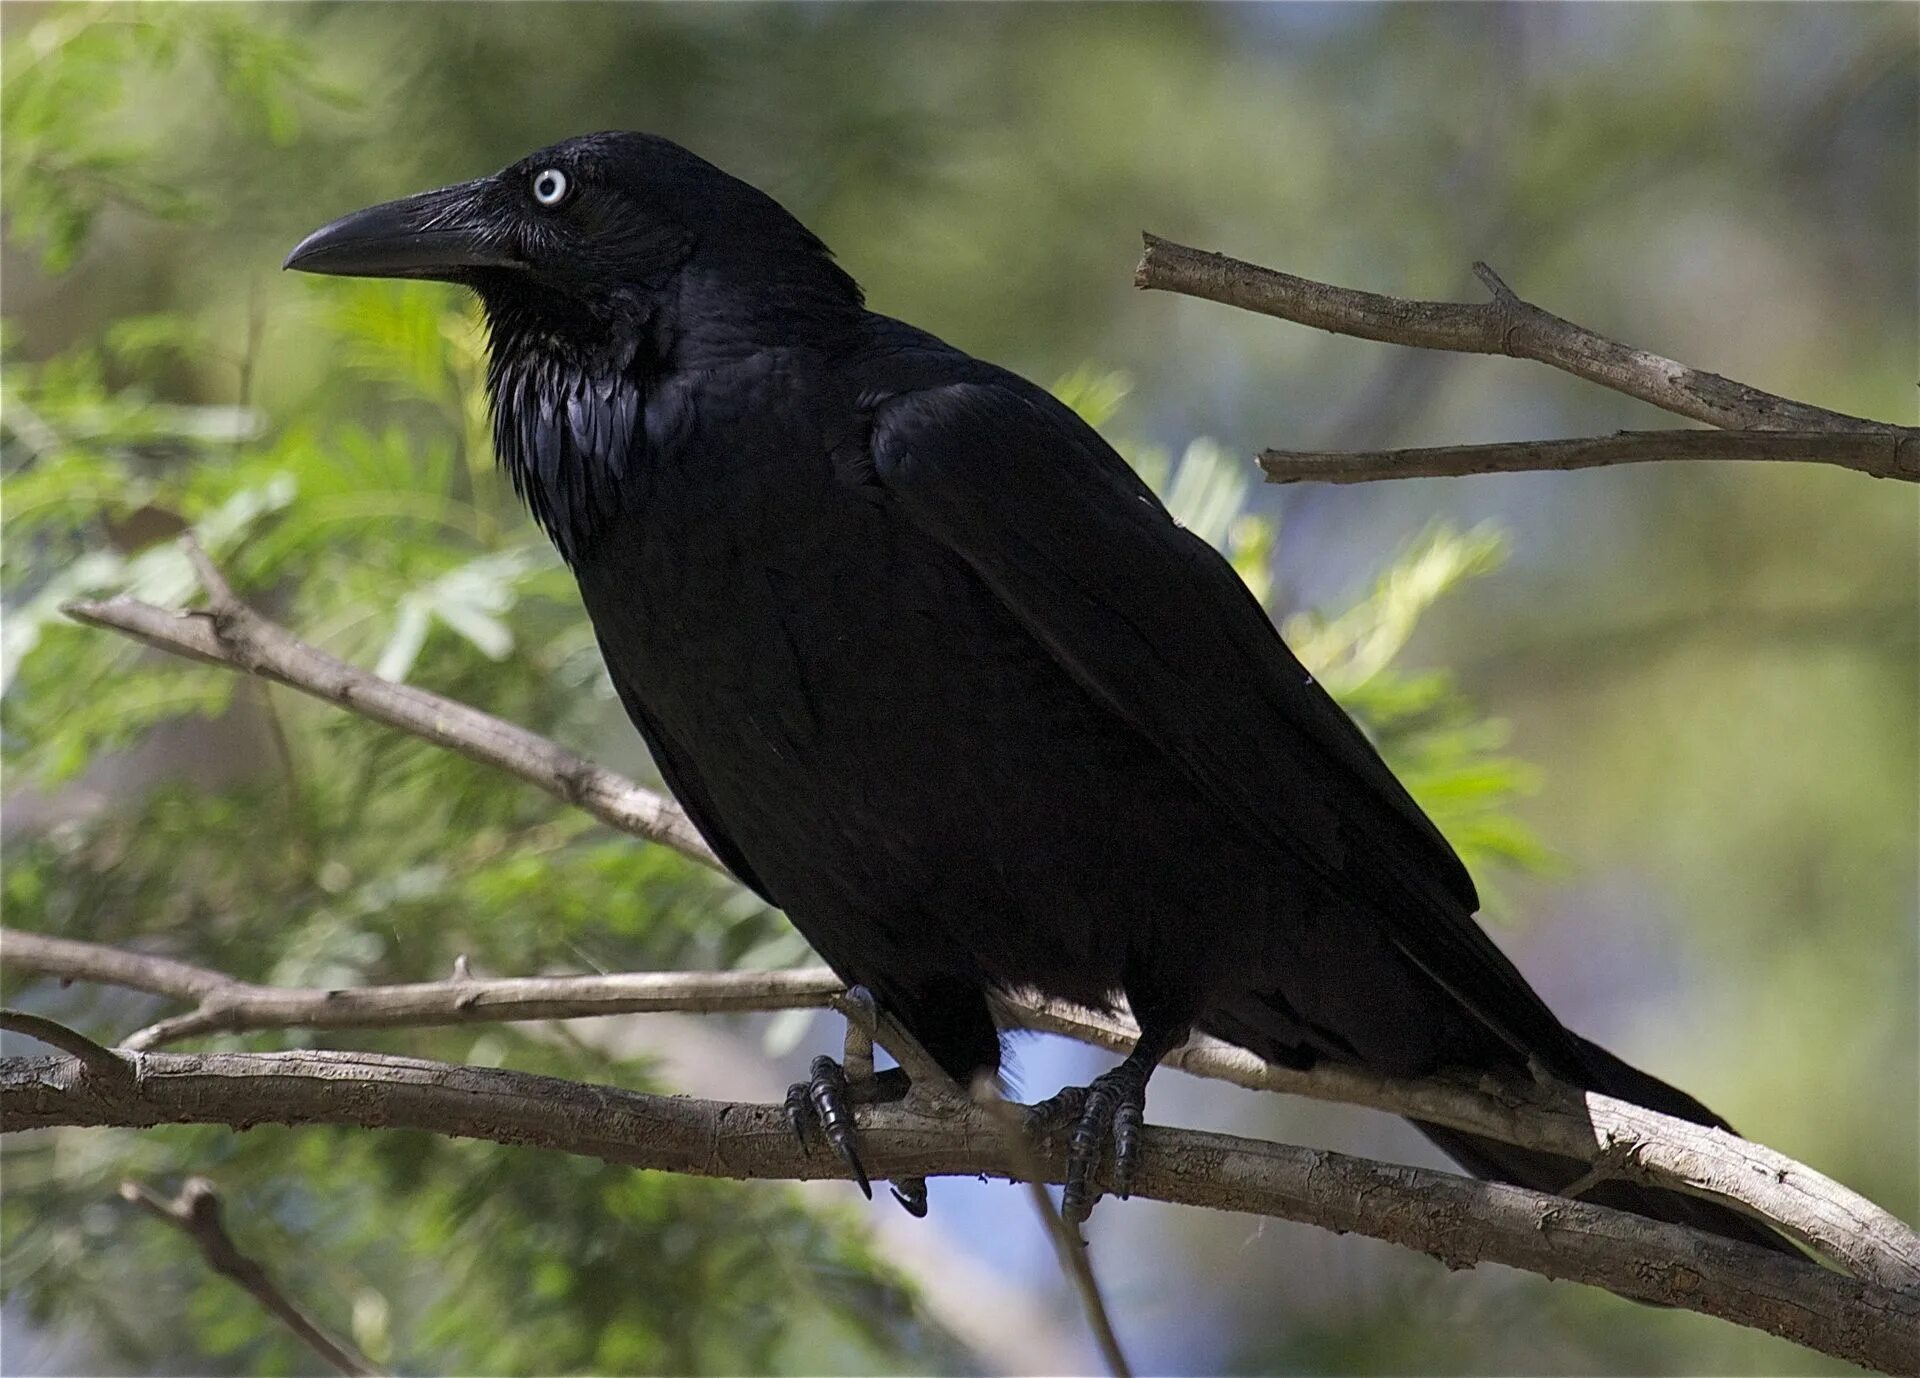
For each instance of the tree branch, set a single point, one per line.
(1878, 454)
(1630, 1141)
(1459, 1221)
(1510, 326)
(1620, 1139)
(227, 1005)
(99, 1061)
(195, 1212)
(233, 635)
(112, 966)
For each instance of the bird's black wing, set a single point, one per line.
(685, 784)
(1158, 627)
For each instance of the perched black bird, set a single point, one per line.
(936, 674)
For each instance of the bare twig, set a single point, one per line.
(1068, 1245)
(195, 1212)
(99, 1061)
(1881, 454)
(1508, 325)
(46, 955)
(220, 594)
(227, 1005)
(235, 636)
(476, 1000)
(1462, 1222)
(1505, 325)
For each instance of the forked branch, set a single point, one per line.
(196, 1213)
(1510, 326)
(1612, 1134)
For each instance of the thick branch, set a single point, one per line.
(195, 1212)
(1881, 454)
(1508, 325)
(1619, 1138)
(1461, 1222)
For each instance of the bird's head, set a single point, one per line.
(585, 235)
(602, 262)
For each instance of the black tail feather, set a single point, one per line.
(1549, 1172)
(1266, 1028)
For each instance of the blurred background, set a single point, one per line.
(1669, 715)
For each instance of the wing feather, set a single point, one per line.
(1158, 627)
(684, 781)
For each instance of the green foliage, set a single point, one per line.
(330, 852)
(439, 1255)
(68, 151)
(1447, 754)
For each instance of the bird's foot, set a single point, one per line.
(824, 1102)
(1111, 1109)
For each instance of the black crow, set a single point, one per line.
(934, 672)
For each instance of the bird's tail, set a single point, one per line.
(1550, 1172)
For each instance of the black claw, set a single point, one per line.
(800, 1117)
(911, 1193)
(1111, 1110)
(822, 1101)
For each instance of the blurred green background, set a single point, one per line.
(1669, 715)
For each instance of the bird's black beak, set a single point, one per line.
(442, 234)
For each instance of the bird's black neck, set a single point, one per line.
(568, 420)
(726, 306)
(569, 392)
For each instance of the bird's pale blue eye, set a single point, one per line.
(550, 186)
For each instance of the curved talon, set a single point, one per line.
(1090, 1134)
(911, 1193)
(822, 1100)
(800, 1116)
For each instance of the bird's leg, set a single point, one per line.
(1113, 1107)
(825, 1100)
(863, 1018)
(941, 1034)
